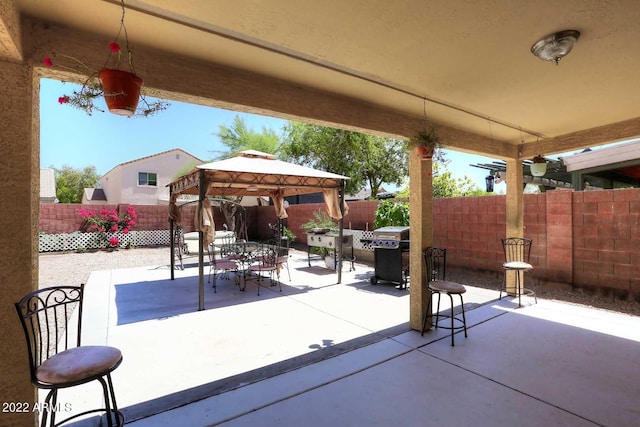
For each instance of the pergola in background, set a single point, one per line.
(617, 166)
(253, 173)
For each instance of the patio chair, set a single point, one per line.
(227, 251)
(222, 266)
(517, 252)
(436, 263)
(180, 247)
(57, 360)
(267, 263)
(282, 255)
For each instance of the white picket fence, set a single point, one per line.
(78, 241)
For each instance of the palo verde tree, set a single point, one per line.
(239, 137)
(71, 182)
(366, 159)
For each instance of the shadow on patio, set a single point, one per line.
(325, 354)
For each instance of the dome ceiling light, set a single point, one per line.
(554, 46)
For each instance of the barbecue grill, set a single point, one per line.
(391, 247)
(331, 241)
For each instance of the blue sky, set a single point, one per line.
(70, 137)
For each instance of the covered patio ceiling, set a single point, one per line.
(470, 60)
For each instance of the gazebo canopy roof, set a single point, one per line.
(254, 173)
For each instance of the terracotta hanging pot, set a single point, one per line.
(424, 152)
(121, 90)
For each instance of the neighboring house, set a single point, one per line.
(365, 194)
(144, 181)
(48, 186)
(94, 196)
(616, 166)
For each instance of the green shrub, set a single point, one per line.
(391, 213)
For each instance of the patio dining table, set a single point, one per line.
(243, 253)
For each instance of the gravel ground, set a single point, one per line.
(75, 268)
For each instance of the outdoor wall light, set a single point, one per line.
(489, 180)
(554, 46)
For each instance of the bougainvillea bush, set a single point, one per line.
(107, 223)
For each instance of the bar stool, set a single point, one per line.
(57, 360)
(517, 251)
(435, 260)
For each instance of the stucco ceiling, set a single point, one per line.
(470, 59)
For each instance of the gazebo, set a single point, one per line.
(254, 173)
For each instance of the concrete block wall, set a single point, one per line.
(606, 241)
(583, 239)
(64, 218)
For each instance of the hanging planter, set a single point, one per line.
(424, 152)
(121, 90)
(425, 142)
(539, 166)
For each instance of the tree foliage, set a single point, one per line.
(445, 185)
(71, 182)
(367, 160)
(238, 138)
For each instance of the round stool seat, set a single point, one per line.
(517, 265)
(78, 364)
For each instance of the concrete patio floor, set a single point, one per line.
(320, 354)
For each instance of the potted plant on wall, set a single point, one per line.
(119, 88)
(539, 166)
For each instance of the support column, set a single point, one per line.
(19, 204)
(514, 210)
(421, 234)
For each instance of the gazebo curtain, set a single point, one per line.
(332, 200)
(278, 203)
(203, 221)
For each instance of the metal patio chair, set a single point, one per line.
(221, 266)
(57, 360)
(517, 253)
(281, 246)
(436, 260)
(267, 263)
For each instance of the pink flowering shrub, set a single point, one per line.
(107, 222)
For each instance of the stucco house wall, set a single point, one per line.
(121, 186)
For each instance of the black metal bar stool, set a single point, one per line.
(436, 260)
(517, 252)
(56, 358)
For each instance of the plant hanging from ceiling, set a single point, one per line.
(426, 141)
(539, 166)
(119, 88)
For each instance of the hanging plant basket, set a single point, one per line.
(424, 152)
(538, 169)
(424, 142)
(121, 90)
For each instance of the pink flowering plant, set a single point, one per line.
(84, 99)
(107, 223)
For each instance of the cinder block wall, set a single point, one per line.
(606, 226)
(587, 239)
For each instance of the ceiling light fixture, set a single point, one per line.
(554, 46)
